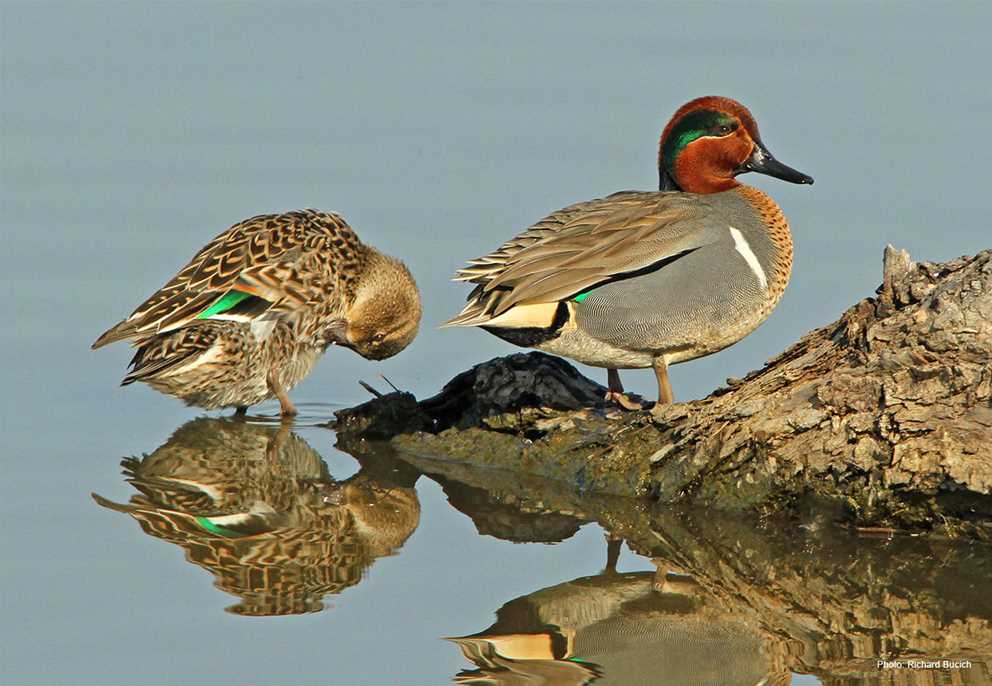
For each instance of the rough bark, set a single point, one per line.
(819, 600)
(887, 412)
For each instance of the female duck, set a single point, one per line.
(252, 312)
(649, 279)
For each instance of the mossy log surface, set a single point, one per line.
(819, 600)
(886, 412)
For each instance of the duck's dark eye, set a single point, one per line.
(379, 337)
(724, 129)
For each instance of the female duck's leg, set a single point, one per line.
(277, 442)
(665, 395)
(615, 392)
(272, 380)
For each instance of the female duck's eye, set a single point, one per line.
(379, 337)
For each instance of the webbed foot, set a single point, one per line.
(623, 400)
(616, 394)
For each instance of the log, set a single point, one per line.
(810, 597)
(885, 414)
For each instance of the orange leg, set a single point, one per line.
(665, 395)
(288, 409)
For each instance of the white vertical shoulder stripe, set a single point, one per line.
(741, 244)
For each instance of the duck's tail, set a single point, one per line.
(160, 354)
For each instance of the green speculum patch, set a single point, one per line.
(217, 529)
(225, 303)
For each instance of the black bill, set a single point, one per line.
(763, 162)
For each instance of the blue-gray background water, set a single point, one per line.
(134, 132)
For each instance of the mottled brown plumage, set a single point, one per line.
(251, 313)
(255, 506)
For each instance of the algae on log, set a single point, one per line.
(887, 411)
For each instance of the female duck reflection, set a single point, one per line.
(256, 507)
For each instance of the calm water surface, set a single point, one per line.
(131, 133)
(342, 548)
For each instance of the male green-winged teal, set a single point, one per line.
(252, 312)
(648, 279)
(619, 629)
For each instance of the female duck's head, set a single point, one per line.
(708, 142)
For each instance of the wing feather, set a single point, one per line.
(160, 354)
(582, 246)
(270, 256)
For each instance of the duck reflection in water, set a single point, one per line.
(615, 628)
(256, 507)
